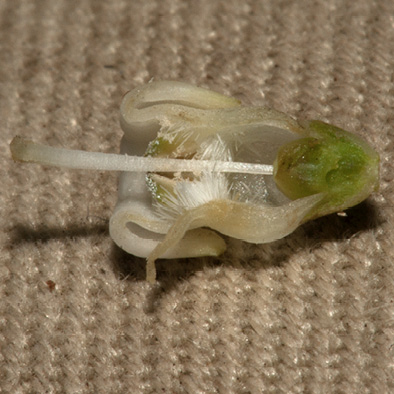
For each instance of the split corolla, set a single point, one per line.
(196, 163)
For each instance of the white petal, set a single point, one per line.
(134, 229)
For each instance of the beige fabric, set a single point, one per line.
(312, 313)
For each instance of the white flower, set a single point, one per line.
(212, 165)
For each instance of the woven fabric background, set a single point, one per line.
(312, 313)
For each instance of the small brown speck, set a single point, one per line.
(51, 285)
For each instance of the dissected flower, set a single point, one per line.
(196, 163)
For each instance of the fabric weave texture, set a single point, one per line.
(311, 313)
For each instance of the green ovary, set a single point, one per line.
(329, 161)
